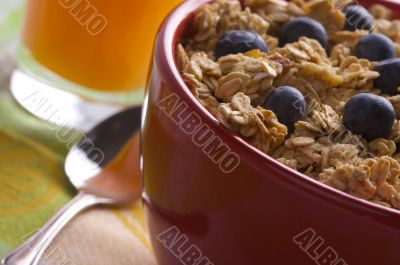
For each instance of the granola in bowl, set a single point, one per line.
(310, 83)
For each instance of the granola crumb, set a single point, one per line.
(380, 12)
(258, 126)
(374, 179)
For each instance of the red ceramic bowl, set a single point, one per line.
(211, 198)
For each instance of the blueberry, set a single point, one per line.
(357, 18)
(303, 26)
(288, 104)
(239, 41)
(375, 47)
(389, 79)
(370, 115)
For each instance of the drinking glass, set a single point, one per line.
(97, 49)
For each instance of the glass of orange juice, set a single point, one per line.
(99, 49)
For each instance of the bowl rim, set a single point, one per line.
(164, 55)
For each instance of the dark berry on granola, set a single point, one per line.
(389, 78)
(239, 41)
(288, 104)
(375, 47)
(303, 27)
(357, 18)
(370, 115)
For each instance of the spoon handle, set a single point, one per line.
(30, 252)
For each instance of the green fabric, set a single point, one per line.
(32, 183)
(14, 118)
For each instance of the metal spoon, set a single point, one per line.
(102, 168)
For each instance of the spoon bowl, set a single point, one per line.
(98, 164)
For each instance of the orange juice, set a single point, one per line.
(102, 44)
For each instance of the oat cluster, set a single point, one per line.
(233, 87)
